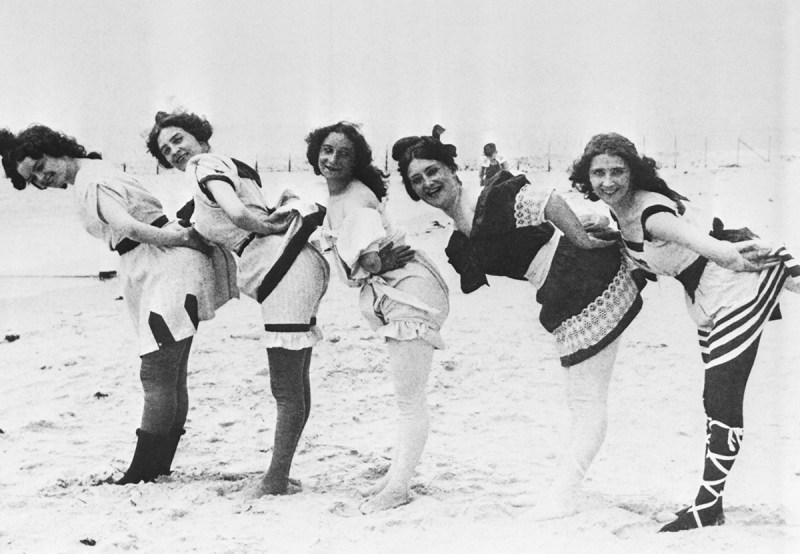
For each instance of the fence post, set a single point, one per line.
(705, 153)
(290, 163)
(675, 143)
(738, 145)
(548, 157)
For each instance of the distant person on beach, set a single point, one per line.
(276, 267)
(492, 163)
(172, 279)
(406, 305)
(588, 297)
(732, 287)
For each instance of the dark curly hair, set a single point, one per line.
(195, 125)
(364, 170)
(34, 142)
(422, 148)
(644, 170)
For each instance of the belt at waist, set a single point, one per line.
(126, 245)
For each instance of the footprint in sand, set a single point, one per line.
(344, 509)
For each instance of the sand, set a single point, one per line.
(71, 401)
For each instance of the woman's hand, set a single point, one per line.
(594, 223)
(598, 227)
(754, 257)
(558, 212)
(596, 242)
(277, 223)
(392, 257)
(195, 241)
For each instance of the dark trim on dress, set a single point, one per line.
(290, 327)
(246, 172)
(290, 253)
(586, 353)
(204, 189)
(126, 245)
(239, 251)
(652, 210)
(691, 274)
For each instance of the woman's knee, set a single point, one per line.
(166, 364)
(286, 375)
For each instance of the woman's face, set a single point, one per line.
(337, 158)
(178, 146)
(610, 177)
(434, 182)
(48, 172)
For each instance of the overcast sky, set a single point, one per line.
(523, 73)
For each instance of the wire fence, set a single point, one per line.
(688, 151)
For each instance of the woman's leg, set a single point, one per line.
(411, 363)
(182, 391)
(159, 374)
(181, 410)
(723, 400)
(587, 401)
(286, 376)
(306, 387)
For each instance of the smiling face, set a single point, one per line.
(610, 177)
(48, 172)
(178, 146)
(337, 159)
(434, 183)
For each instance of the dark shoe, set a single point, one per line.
(145, 465)
(170, 446)
(709, 517)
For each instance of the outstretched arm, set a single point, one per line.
(243, 217)
(118, 218)
(558, 212)
(666, 226)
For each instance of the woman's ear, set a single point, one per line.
(204, 147)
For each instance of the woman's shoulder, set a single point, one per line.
(103, 173)
(212, 160)
(93, 169)
(645, 200)
(360, 196)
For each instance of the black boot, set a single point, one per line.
(723, 444)
(146, 462)
(169, 447)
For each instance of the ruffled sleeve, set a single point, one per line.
(212, 167)
(530, 203)
(360, 232)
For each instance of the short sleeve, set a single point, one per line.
(112, 190)
(530, 203)
(360, 232)
(210, 167)
(652, 210)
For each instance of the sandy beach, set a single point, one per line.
(71, 401)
